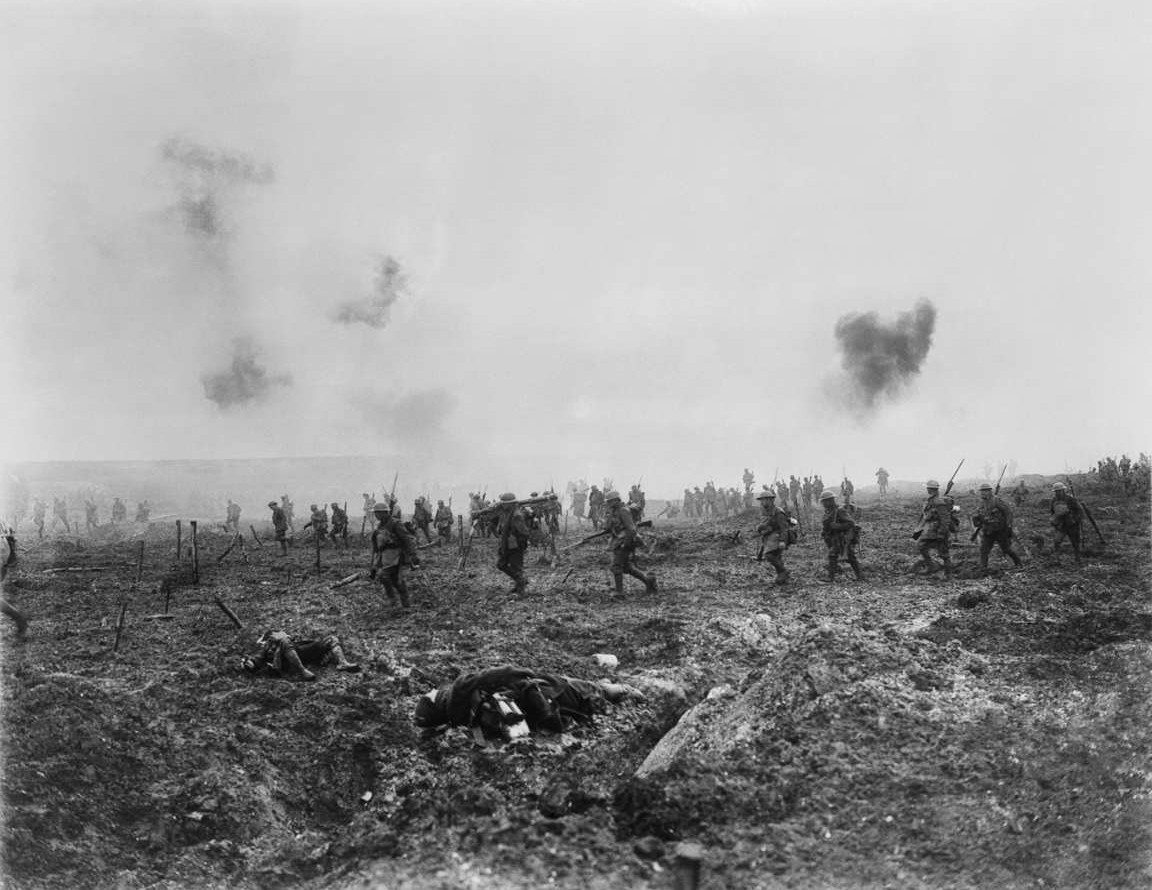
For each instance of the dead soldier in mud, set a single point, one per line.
(282, 655)
(509, 702)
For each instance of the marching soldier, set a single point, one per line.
(279, 526)
(119, 511)
(773, 531)
(143, 511)
(339, 524)
(38, 510)
(233, 516)
(1019, 494)
(619, 522)
(993, 521)
(90, 519)
(935, 529)
(748, 479)
(596, 507)
(443, 521)
(422, 517)
(512, 535)
(369, 503)
(318, 523)
(847, 489)
(392, 550)
(794, 489)
(840, 534)
(1067, 517)
(60, 511)
(882, 481)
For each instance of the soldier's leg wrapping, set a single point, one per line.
(775, 558)
(855, 563)
(986, 542)
(388, 579)
(833, 560)
(292, 659)
(16, 615)
(926, 556)
(946, 555)
(402, 587)
(1074, 538)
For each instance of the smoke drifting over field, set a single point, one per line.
(880, 359)
(374, 310)
(419, 416)
(245, 380)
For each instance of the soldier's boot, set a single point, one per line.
(521, 584)
(852, 561)
(649, 581)
(293, 658)
(403, 588)
(391, 591)
(948, 568)
(342, 663)
(783, 576)
(618, 581)
(833, 569)
(17, 616)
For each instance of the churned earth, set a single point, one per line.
(902, 732)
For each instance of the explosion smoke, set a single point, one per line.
(245, 381)
(204, 176)
(374, 310)
(880, 359)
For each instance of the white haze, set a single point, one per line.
(628, 232)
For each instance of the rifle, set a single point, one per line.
(647, 523)
(1087, 513)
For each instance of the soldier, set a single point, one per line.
(596, 507)
(773, 531)
(1125, 466)
(636, 496)
(512, 535)
(318, 522)
(119, 511)
(60, 511)
(289, 509)
(38, 510)
(443, 521)
(579, 499)
(687, 503)
(817, 484)
(9, 536)
(392, 550)
(233, 516)
(847, 489)
(1067, 515)
(552, 511)
(782, 494)
(710, 499)
(882, 481)
(369, 503)
(280, 526)
(422, 518)
(619, 521)
(794, 489)
(806, 493)
(1019, 494)
(339, 524)
(280, 653)
(90, 519)
(840, 533)
(143, 511)
(993, 520)
(937, 523)
(748, 479)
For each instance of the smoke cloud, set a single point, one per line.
(204, 177)
(879, 359)
(413, 417)
(374, 310)
(245, 381)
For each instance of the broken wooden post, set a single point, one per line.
(140, 564)
(256, 537)
(120, 622)
(228, 549)
(179, 529)
(344, 582)
(195, 554)
(224, 608)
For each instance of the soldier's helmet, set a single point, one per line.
(440, 503)
(985, 486)
(931, 484)
(507, 498)
(612, 496)
(828, 495)
(765, 495)
(313, 507)
(1059, 486)
(335, 503)
(382, 507)
(273, 504)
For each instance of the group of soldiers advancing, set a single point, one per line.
(91, 514)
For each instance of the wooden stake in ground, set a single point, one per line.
(317, 537)
(120, 622)
(256, 537)
(224, 608)
(195, 554)
(140, 564)
(460, 532)
(179, 531)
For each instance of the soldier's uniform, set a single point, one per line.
(806, 492)
(794, 488)
(1019, 493)
(512, 533)
(143, 511)
(748, 479)
(60, 511)
(596, 506)
(847, 488)
(936, 528)
(618, 520)
(90, 520)
(339, 524)
(841, 534)
(994, 520)
(392, 550)
(289, 509)
(119, 511)
(280, 653)
(443, 521)
(882, 481)
(318, 523)
(1067, 519)
(773, 531)
(38, 511)
(422, 518)
(710, 499)
(279, 526)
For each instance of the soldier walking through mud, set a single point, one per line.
(773, 531)
(143, 511)
(318, 522)
(841, 534)
(233, 516)
(279, 526)
(937, 524)
(60, 512)
(1019, 494)
(90, 519)
(806, 493)
(794, 489)
(619, 522)
(38, 511)
(748, 479)
(579, 500)
(119, 511)
(512, 536)
(392, 550)
(339, 525)
(443, 522)
(9, 536)
(882, 481)
(993, 522)
(847, 489)
(422, 518)
(596, 507)
(1066, 519)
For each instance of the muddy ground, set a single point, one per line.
(870, 734)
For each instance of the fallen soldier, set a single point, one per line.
(509, 702)
(282, 655)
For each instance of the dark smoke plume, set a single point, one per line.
(374, 310)
(245, 381)
(880, 359)
(203, 177)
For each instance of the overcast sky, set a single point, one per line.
(628, 231)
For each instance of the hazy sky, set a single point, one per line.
(628, 231)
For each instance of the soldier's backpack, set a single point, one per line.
(793, 534)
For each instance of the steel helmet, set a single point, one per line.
(612, 496)
(1059, 486)
(508, 497)
(985, 486)
(931, 483)
(764, 495)
(828, 495)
